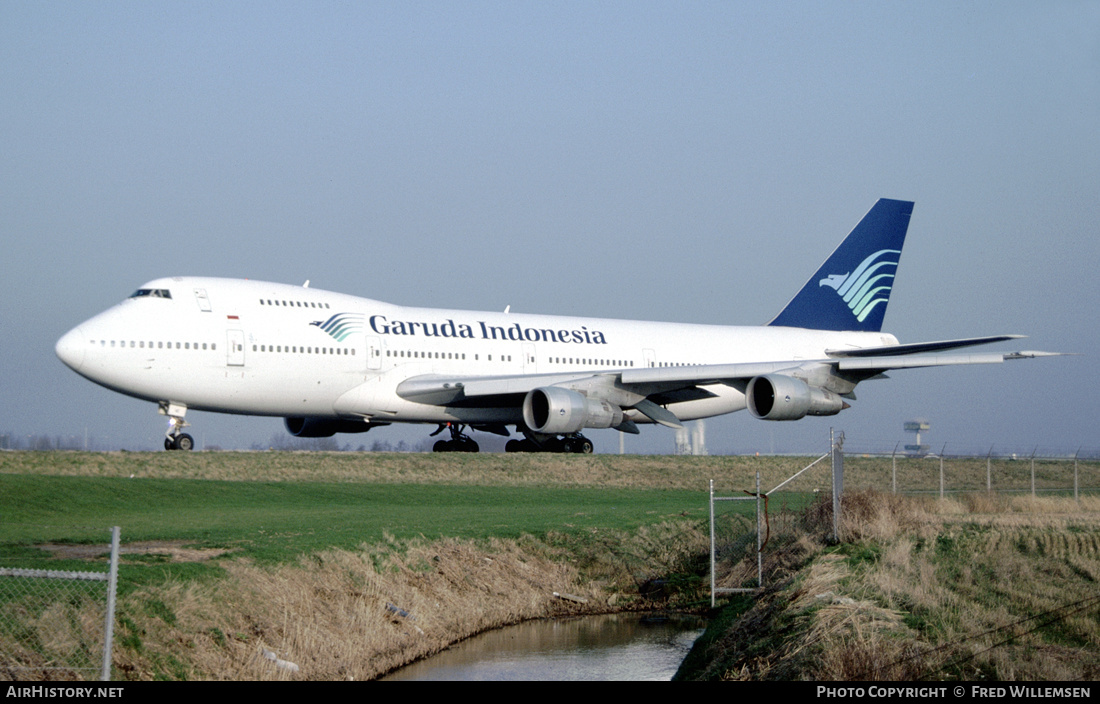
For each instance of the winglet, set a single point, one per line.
(851, 289)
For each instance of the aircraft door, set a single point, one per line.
(235, 354)
(529, 364)
(374, 353)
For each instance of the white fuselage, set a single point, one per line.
(258, 348)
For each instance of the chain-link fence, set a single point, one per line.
(804, 501)
(946, 473)
(57, 624)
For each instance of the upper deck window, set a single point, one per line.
(151, 293)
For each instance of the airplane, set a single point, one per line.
(333, 363)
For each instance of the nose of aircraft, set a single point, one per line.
(70, 349)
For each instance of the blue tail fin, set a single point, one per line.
(851, 289)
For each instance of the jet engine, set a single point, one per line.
(778, 397)
(554, 410)
(323, 427)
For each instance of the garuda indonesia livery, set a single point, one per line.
(333, 363)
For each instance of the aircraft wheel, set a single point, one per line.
(442, 446)
(583, 446)
(524, 446)
(168, 444)
(552, 445)
(184, 442)
(513, 446)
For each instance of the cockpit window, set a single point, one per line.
(151, 293)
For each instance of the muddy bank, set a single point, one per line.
(346, 615)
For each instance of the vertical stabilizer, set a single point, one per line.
(851, 289)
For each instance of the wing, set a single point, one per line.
(649, 390)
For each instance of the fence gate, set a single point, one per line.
(49, 625)
(735, 550)
(732, 534)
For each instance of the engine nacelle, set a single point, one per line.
(554, 410)
(778, 397)
(323, 427)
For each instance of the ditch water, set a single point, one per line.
(622, 647)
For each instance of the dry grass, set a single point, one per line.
(976, 587)
(995, 587)
(731, 473)
(358, 614)
(606, 471)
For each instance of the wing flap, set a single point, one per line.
(886, 363)
(678, 377)
(920, 347)
(439, 390)
(880, 364)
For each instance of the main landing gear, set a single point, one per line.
(459, 442)
(175, 438)
(532, 442)
(574, 442)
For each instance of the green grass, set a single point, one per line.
(279, 521)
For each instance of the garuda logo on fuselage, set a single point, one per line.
(867, 286)
(341, 325)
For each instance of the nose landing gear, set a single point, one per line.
(175, 438)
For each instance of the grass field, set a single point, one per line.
(229, 555)
(212, 540)
(278, 521)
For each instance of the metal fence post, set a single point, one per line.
(894, 467)
(1033, 472)
(1075, 484)
(109, 627)
(989, 471)
(838, 481)
(712, 543)
(759, 535)
(942, 449)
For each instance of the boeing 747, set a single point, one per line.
(333, 363)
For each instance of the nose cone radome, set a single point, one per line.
(70, 349)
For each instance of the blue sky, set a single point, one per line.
(671, 161)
